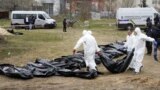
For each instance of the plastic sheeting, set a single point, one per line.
(116, 66)
(71, 65)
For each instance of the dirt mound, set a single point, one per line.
(4, 32)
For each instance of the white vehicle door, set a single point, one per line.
(40, 21)
(142, 19)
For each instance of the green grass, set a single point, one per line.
(17, 45)
(49, 43)
(40, 36)
(94, 24)
(9, 52)
(102, 24)
(4, 22)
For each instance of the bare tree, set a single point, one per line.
(84, 9)
(16, 4)
(143, 3)
(111, 7)
(127, 3)
(7, 4)
(108, 5)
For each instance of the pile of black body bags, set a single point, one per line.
(71, 65)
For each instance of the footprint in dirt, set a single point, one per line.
(135, 79)
(141, 80)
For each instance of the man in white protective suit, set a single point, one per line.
(129, 44)
(140, 43)
(90, 48)
(130, 40)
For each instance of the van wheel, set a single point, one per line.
(129, 27)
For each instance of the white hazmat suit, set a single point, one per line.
(90, 48)
(140, 43)
(130, 41)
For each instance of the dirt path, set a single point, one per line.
(149, 79)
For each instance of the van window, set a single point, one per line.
(22, 16)
(19, 16)
(40, 16)
(47, 16)
(33, 15)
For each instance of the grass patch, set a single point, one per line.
(37, 36)
(5, 22)
(52, 43)
(102, 24)
(10, 52)
(31, 40)
(94, 24)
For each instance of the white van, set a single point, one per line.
(130, 17)
(42, 19)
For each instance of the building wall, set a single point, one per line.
(47, 5)
(47, 1)
(56, 7)
(63, 6)
(156, 4)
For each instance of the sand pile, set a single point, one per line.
(4, 32)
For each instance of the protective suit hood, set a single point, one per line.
(138, 31)
(90, 32)
(84, 32)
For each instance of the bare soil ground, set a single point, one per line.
(149, 79)
(4, 32)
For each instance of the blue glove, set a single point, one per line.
(155, 43)
(155, 50)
